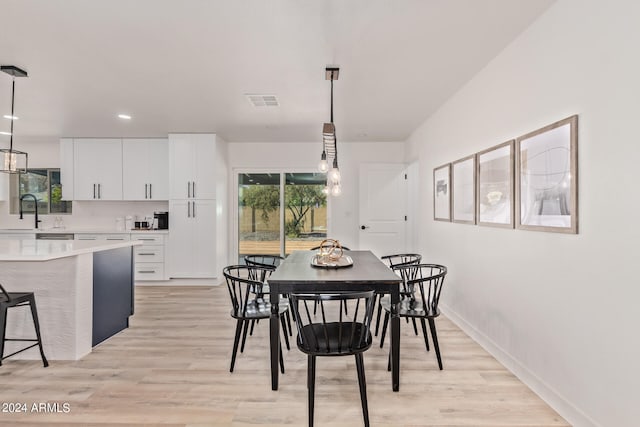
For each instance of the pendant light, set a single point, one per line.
(330, 145)
(10, 158)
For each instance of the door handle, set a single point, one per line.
(362, 227)
(94, 191)
(150, 194)
(193, 191)
(99, 196)
(194, 209)
(188, 209)
(188, 189)
(145, 191)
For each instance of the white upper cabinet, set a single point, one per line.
(66, 168)
(97, 169)
(145, 169)
(192, 166)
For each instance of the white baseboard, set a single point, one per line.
(566, 409)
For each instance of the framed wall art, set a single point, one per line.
(463, 193)
(494, 178)
(547, 178)
(442, 193)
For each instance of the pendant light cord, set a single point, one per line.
(13, 93)
(335, 139)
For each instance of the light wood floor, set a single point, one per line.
(171, 367)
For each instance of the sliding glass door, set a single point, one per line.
(280, 212)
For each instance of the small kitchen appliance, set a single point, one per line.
(162, 219)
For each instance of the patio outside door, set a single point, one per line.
(280, 212)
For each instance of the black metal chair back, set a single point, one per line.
(269, 262)
(333, 333)
(243, 288)
(423, 284)
(401, 259)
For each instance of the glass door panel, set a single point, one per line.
(305, 216)
(258, 214)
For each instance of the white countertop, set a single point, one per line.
(78, 230)
(45, 250)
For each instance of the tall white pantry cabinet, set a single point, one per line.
(197, 211)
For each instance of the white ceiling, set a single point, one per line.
(186, 65)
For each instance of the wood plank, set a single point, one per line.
(171, 367)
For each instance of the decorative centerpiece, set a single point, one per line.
(331, 255)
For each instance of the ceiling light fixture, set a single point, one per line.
(330, 145)
(10, 158)
(124, 116)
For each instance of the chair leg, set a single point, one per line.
(379, 313)
(281, 359)
(244, 335)
(363, 388)
(315, 307)
(3, 325)
(311, 384)
(253, 323)
(284, 331)
(384, 328)
(434, 336)
(235, 344)
(415, 328)
(424, 332)
(389, 361)
(36, 324)
(289, 323)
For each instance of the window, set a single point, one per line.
(45, 185)
(265, 228)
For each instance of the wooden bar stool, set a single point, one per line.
(18, 299)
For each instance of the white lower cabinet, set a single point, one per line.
(149, 258)
(192, 239)
(99, 236)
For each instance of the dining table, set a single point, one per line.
(296, 274)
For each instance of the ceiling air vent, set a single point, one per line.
(262, 100)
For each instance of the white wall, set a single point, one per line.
(562, 311)
(304, 157)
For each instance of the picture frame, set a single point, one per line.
(463, 190)
(547, 178)
(495, 186)
(442, 193)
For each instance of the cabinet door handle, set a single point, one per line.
(194, 190)
(150, 240)
(150, 196)
(146, 271)
(188, 189)
(94, 191)
(147, 253)
(145, 191)
(194, 209)
(188, 209)
(99, 196)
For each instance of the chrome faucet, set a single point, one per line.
(35, 202)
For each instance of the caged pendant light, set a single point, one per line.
(13, 161)
(330, 145)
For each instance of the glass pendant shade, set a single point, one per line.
(334, 175)
(336, 190)
(13, 161)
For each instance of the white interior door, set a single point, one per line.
(383, 208)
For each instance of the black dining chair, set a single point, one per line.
(392, 261)
(18, 299)
(334, 334)
(423, 283)
(268, 263)
(247, 304)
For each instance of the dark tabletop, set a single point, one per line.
(367, 269)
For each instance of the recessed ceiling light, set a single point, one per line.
(124, 116)
(5, 133)
(10, 117)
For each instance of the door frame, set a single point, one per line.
(235, 172)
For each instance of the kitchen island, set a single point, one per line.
(84, 292)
